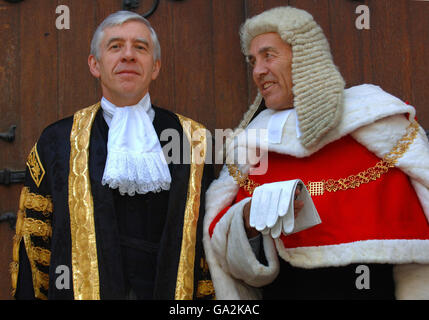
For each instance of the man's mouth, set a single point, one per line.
(267, 85)
(128, 72)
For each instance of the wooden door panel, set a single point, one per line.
(10, 101)
(10, 108)
(418, 26)
(191, 49)
(77, 88)
(388, 53)
(38, 71)
(231, 87)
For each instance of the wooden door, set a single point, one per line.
(44, 74)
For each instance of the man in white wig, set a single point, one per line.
(360, 155)
(102, 214)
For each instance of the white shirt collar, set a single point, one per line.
(277, 122)
(109, 108)
(135, 161)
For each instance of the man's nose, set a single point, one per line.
(259, 69)
(128, 53)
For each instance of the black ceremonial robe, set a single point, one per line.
(78, 239)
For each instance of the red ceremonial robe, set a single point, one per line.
(387, 208)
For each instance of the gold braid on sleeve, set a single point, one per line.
(38, 226)
(205, 289)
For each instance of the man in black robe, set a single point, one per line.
(102, 214)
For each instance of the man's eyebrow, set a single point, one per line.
(265, 49)
(141, 40)
(250, 57)
(114, 39)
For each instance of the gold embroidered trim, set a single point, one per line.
(39, 203)
(205, 288)
(317, 188)
(35, 166)
(26, 227)
(14, 265)
(40, 279)
(41, 296)
(402, 146)
(36, 227)
(86, 282)
(204, 266)
(13, 270)
(185, 272)
(39, 255)
(36, 202)
(241, 179)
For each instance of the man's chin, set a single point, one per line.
(278, 107)
(130, 98)
(132, 91)
(275, 104)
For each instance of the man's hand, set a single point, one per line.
(297, 204)
(252, 232)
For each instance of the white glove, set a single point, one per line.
(272, 209)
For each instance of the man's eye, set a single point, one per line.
(268, 55)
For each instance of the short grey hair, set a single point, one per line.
(119, 18)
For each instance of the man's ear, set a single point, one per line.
(93, 66)
(156, 69)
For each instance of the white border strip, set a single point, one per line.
(368, 251)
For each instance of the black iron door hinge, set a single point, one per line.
(8, 177)
(9, 217)
(9, 135)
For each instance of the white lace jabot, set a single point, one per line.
(135, 161)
